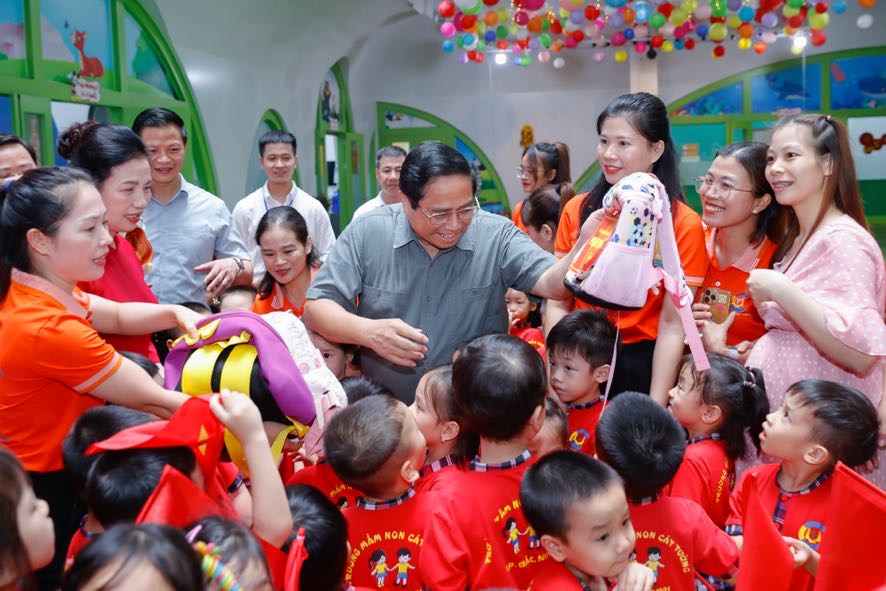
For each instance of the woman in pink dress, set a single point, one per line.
(823, 301)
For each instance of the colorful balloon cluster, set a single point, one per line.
(541, 29)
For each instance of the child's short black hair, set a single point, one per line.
(588, 333)
(94, 425)
(133, 547)
(151, 368)
(236, 544)
(845, 420)
(362, 443)
(642, 441)
(244, 290)
(558, 481)
(359, 387)
(326, 538)
(120, 482)
(498, 381)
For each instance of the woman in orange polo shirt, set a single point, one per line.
(53, 364)
(290, 260)
(743, 227)
(543, 164)
(635, 136)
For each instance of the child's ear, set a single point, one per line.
(711, 414)
(409, 472)
(449, 431)
(817, 455)
(601, 373)
(536, 422)
(555, 547)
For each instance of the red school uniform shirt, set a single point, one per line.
(675, 537)
(706, 476)
(581, 420)
(748, 325)
(554, 576)
(802, 514)
(533, 336)
(477, 535)
(386, 541)
(124, 281)
(322, 477)
(437, 475)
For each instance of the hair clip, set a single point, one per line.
(215, 569)
(191, 535)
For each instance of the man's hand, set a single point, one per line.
(220, 274)
(397, 342)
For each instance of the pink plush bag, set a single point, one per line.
(617, 266)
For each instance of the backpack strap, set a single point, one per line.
(674, 282)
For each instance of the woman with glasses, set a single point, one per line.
(635, 136)
(743, 226)
(544, 164)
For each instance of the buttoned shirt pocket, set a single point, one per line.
(376, 303)
(478, 311)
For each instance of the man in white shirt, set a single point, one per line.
(388, 162)
(277, 157)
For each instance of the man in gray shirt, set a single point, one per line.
(413, 282)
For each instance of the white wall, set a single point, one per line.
(245, 57)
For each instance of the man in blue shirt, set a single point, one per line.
(197, 251)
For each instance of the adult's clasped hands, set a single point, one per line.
(397, 341)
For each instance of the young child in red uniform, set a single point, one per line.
(449, 447)
(819, 424)
(579, 351)
(716, 408)
(477, 535)
(578, 507)
(326, 538)
(375, 446)
(645, 445)
(525, 318)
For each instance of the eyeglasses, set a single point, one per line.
(465, 214)
(523, 173)
(720, 188)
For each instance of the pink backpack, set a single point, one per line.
(618, 266)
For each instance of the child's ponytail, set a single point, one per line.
(755, 404)
(740, 394)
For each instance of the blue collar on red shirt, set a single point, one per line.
(700, 438)
(585, 405)
(443, 462)
(377, 505)
(477, 466)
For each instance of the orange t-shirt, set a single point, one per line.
(515, 216)
(276, 302)
(642, 325)
(50, 359)
(748, 325)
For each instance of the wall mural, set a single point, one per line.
(859, 83)
(77, 45)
